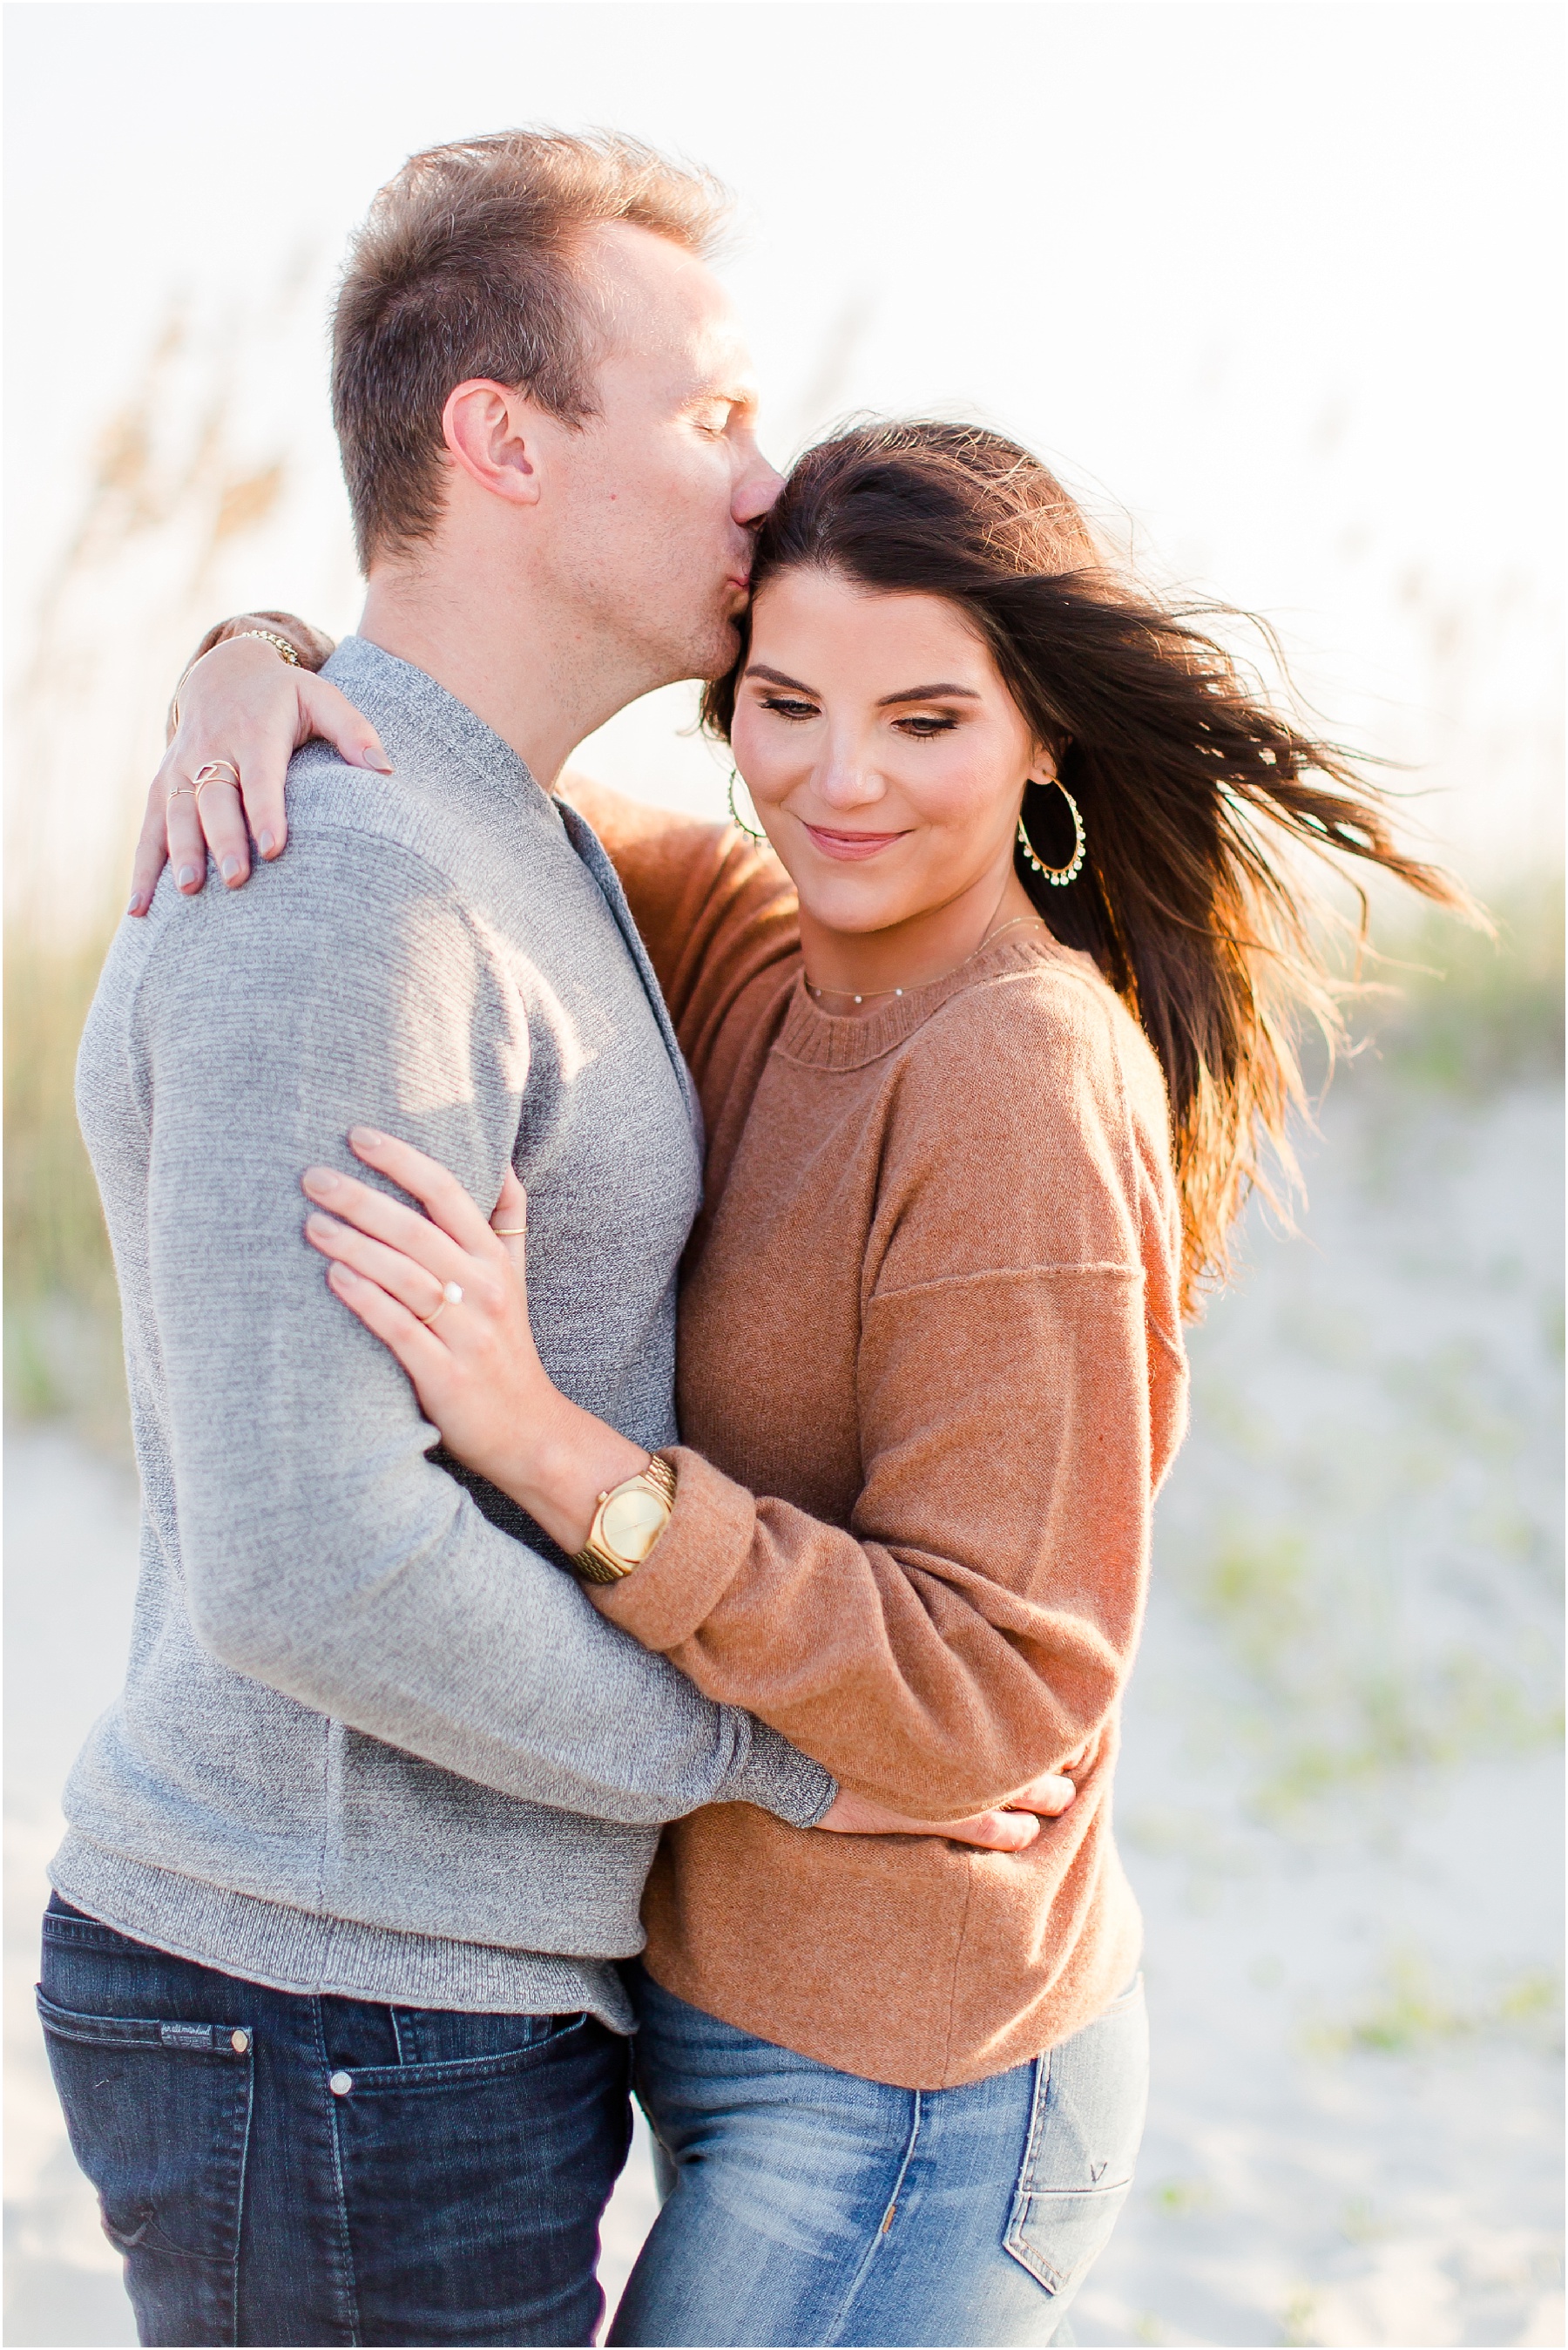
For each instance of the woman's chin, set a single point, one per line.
(856, 914)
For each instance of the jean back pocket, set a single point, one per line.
(1090, 2096)
(158, 2116)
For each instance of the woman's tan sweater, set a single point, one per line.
(930, 1378)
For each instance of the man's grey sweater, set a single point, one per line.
(370, 1743)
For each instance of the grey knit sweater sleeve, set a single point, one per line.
(323, 1552)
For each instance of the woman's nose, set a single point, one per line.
(847, 782)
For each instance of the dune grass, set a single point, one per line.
(61, 1317)
(1452, 1012)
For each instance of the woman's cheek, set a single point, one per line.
(943, 792)
(749, 755)
(957, 797)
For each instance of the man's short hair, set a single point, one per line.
(468, 266)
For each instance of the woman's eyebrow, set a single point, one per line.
(887, 701)
(928, 693)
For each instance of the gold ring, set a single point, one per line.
(213, 773)
(451, 1294)
(508, 1231)
(179, 791)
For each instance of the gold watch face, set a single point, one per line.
(633, 1523)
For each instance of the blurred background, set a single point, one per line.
(1274, 288)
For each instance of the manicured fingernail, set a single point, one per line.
(321, 1226)
(229, 867)
(341, 1276)
(365, 1138)
(266, 844)
(187, 875)
(135, 905)
(380, 761)
(319, 1179)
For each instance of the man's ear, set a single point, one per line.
(493, 434)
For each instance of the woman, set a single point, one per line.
(984, 1090)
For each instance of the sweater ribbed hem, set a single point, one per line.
(300, 1950)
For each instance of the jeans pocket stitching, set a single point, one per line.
(546, 2031)
(463, 2072)
(1080, 2194)
(1037, 2111)
(1014, 2241)
(1030, 2257)
(85, 2031)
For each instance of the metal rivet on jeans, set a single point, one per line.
(340, 2083)
(239, 2041)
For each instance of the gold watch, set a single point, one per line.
(627, 1523)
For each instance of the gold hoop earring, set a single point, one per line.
(1058, 876)
(736, 818)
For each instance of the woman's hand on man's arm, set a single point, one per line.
(243, 706)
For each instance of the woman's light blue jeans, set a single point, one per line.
(805, 2206)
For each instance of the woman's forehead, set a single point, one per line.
(848, 625)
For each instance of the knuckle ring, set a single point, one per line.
(215, 771)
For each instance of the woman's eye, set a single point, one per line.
(786, 708)
(922, 727)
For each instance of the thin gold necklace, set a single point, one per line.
(874, 995)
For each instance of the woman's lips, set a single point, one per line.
(851, 847)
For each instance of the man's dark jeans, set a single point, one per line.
(279, 2169)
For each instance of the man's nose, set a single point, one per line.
(756, 492)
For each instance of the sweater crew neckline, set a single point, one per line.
(826, 1040)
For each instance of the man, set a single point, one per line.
(328, 1982)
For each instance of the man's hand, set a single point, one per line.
(1009, 1828)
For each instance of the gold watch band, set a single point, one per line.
(629, 1521)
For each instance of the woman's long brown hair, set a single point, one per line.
(1190, 781)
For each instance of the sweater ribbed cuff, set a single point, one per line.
(778, 1778)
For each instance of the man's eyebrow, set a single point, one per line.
(777, 677)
